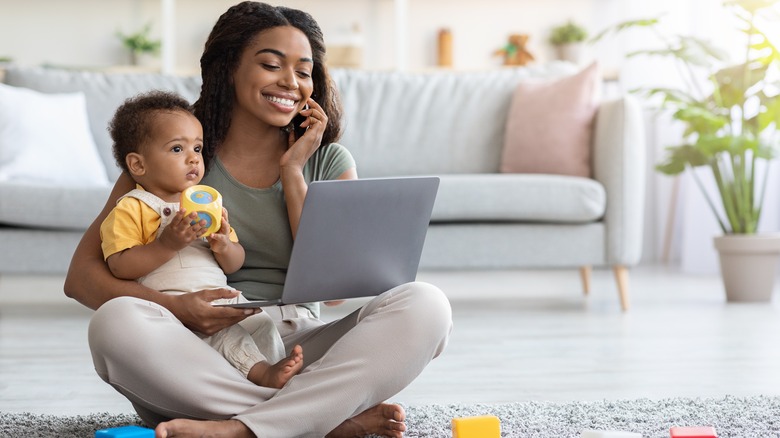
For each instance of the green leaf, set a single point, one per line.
(691, 50)
(700, 120)
(567, 33)
(622, 26)
(761, 44)
(678, 157)
(671, 97)
(712, 145)
(140, 42)
(734, 82)
(705, 47)
(770, 112)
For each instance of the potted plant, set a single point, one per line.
(139, 44)
(731, 113)
(568, 41)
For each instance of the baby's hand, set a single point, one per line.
(220, 239)
(181, 231)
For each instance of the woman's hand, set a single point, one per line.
(195, 311)
(292, 162)
(89, 280)
(299, 151)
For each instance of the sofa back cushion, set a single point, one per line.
(104, 92)
(440, 122)
(395, 123)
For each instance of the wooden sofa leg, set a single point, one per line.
(585, 276)
(621, 276)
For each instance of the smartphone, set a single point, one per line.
(296, 122)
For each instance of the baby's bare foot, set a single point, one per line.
(277, 375)
(384, 419)
(194, 428)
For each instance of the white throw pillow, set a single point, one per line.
(45, 138)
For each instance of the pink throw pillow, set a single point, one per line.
(550, 123)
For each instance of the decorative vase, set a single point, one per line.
(748, 263)
(145, 60)
(571, 52)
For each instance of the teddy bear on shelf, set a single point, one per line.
(515, 52)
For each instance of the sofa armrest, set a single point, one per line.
(619, 164)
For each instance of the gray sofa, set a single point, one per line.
(437, 123)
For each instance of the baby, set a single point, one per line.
(148, 238)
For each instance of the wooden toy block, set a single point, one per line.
(125, 432)
(589, 433)
(487, 426)
(693, 432)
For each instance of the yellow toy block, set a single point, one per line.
(486, 426)
(205, 201)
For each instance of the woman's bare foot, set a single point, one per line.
(277, 375)
(384, 419)
(195, 428)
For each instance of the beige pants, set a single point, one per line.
(351, 364)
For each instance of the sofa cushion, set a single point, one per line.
(104, 93)
(549, 125)
(399, 123)
(519, 197)
(50, 206)
(40, 132)
(461, 198)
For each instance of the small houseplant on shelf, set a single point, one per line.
(140, 44)
(731, 119)
(568, 40)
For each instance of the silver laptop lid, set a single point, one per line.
(359, 238)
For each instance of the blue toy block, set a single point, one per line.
(125, 432)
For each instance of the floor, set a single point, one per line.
(519, 335)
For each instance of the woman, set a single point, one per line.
(262, 66)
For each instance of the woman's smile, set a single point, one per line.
(281, 103)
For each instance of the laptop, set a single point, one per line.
(357, 238)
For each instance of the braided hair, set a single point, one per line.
(232, 33)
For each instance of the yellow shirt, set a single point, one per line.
(133, 222)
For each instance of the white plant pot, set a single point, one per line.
(145, 61)
(571, 52)
(748, 265)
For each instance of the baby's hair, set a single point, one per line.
(132, 122)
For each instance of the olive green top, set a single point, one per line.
(259, 217)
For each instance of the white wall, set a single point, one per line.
(82, 32)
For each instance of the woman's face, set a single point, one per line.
(273, 79)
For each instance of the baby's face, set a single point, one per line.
(173, 159)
